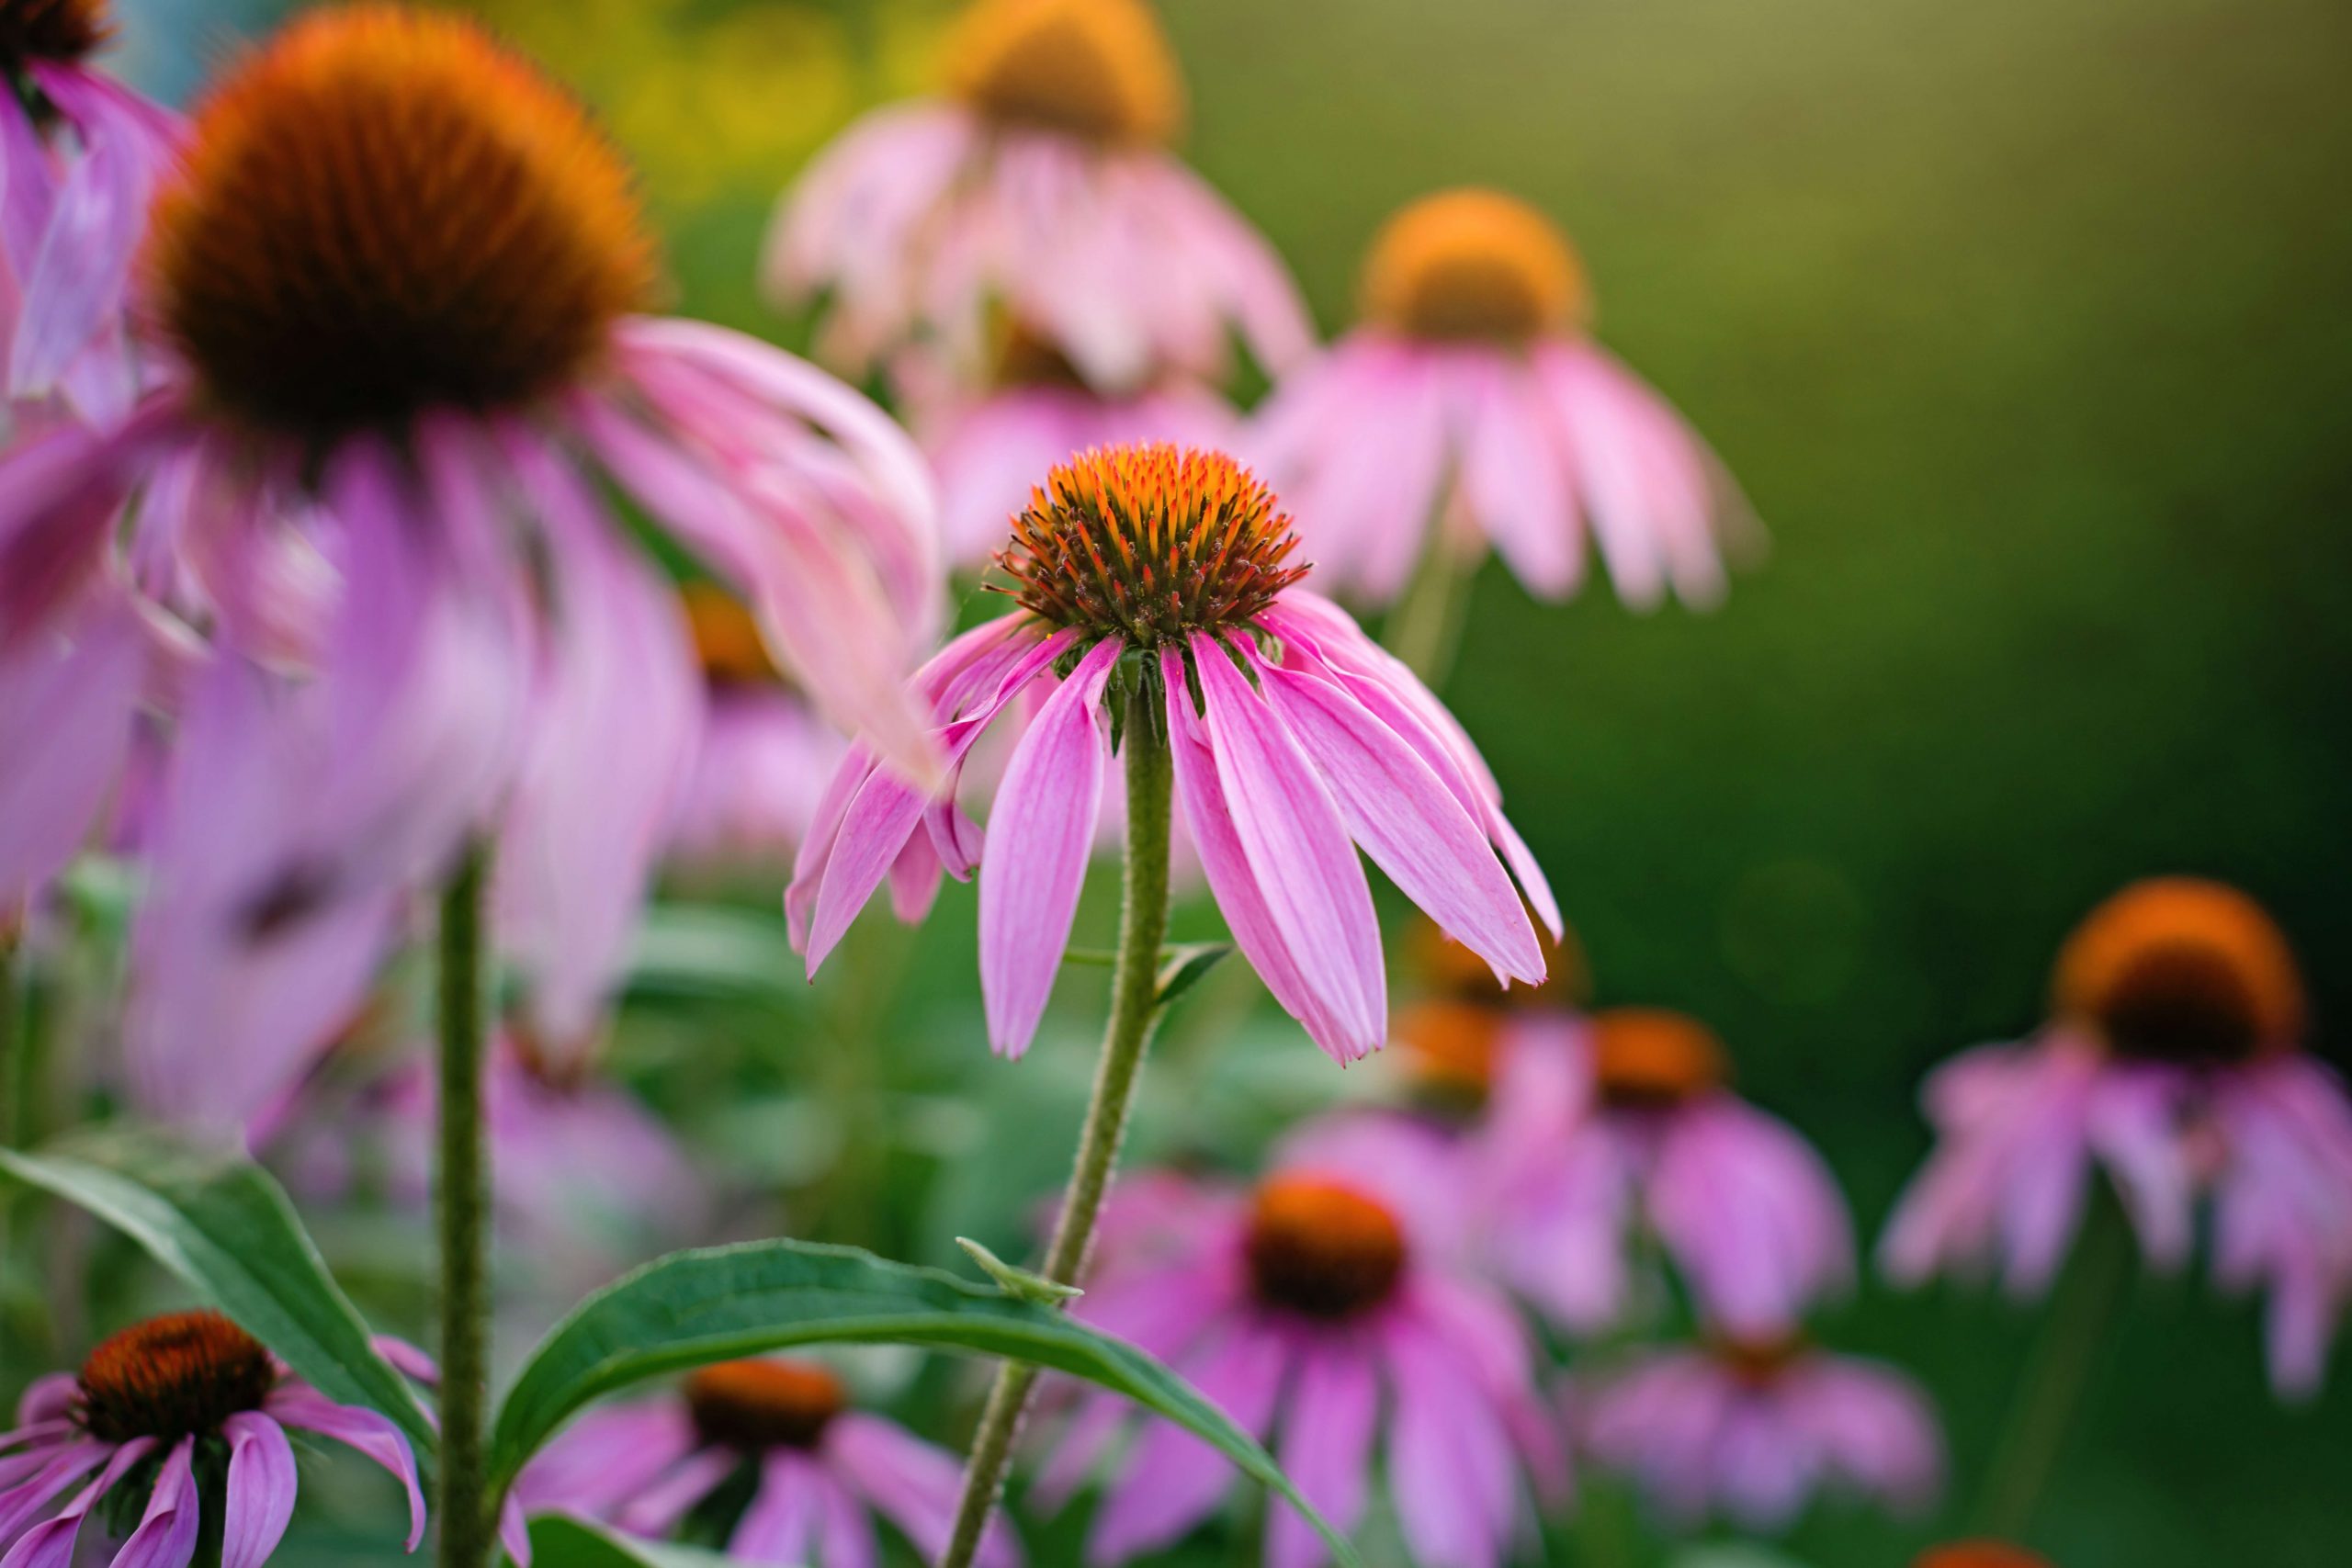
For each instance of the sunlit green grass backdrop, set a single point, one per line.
(2025, 326)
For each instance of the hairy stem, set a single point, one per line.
(462, 1200)
(2083, 1316)
(1135, 1010)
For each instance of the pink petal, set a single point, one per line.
(166, 1534)
(370, 1434)
(50, 1543)
(912, 1484)
(66, 724)
(1041, 829)
(1298, 849)
(260, 1494)
(1326, 1450)
(1174, 1479)
(781, 1523)
(1400, 811)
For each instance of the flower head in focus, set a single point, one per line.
(79, 156)
(1326, 1311)
(2172, 1062)
(159, 1399)
(1472, 409)
(1295, 739)
(820, 1469)
(397, 277)
(1039, 189)
(1753, 1430)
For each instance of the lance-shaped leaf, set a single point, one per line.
(692, 1308)
(223, 1225)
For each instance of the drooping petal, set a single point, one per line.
(1397, 808)
(1327, 1431)
(66, 724)
(781, 1524)
(1449, 1458)
(50, 1543)
(259, 1498)
(1174, 1479)
(166, 1534)
(613, 737)
(912, 1484)
(1298, 849)
(1040, 832)
(363, 1431)
(60, 1468)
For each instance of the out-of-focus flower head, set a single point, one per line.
(79, 156)
(1754, 1431)
(1295, 739)
(1472, 409)
(1602, 1128)
(1456, 1029)
(1037, 189)
(1328, 1311)
(398, 277)
(1979, 1554)
(821, 1470)
(141, 1405)
(2173, 1062)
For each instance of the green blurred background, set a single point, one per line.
(2024, 326)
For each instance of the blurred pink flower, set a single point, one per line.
(2173, 1062)
(1039, 185)
(1473, 408)
(80, 157)
(1294, 738)
(1597, 1126)
(823, 1470)
(152, 1392)
(481, 648)
(1323, 1311)
(765, 755)
(1755, 1430)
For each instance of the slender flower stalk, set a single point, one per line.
(463, 1199)
(2090, 1299)
(1424, 631)
(1134, 1012)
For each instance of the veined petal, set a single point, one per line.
(1041, 829)
(50, 1543)
(259, 1498)
(364, 1430)
(1401, 812)
(1297, 847)
(166, 1534)
(1230, 878)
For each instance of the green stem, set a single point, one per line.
(1425, 628)
(468, 1526)
(1135, 1010)
(2090, 1298)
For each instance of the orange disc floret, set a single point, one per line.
(1096, 69)
(1979, 1554)
(172, 1377)
(760, 1404)
(1474, 264)
(1651, 1057)
(384, 210)
(2180, 969)
(1322, 1247)
(51, 29)
(1447, 968)
(727, 637)
(1758, 1363)
(1151, 544)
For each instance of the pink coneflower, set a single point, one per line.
(396, 276)
(1039, 187)
(1293, 735)
(822, 1470)
(987, 447)
(1323, 1309)
(765, 755)
(1472, 407)
(1458, 1024)
(1754, 1431)
(1625, 1121)
(80, 155)
(161, 1391)
(2172, 1062)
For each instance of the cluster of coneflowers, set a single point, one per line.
(365, 547)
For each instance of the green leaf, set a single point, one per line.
(692, 1308)
(704, 951)
(559, 1541)
(1186, 965)
(219, 1222)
